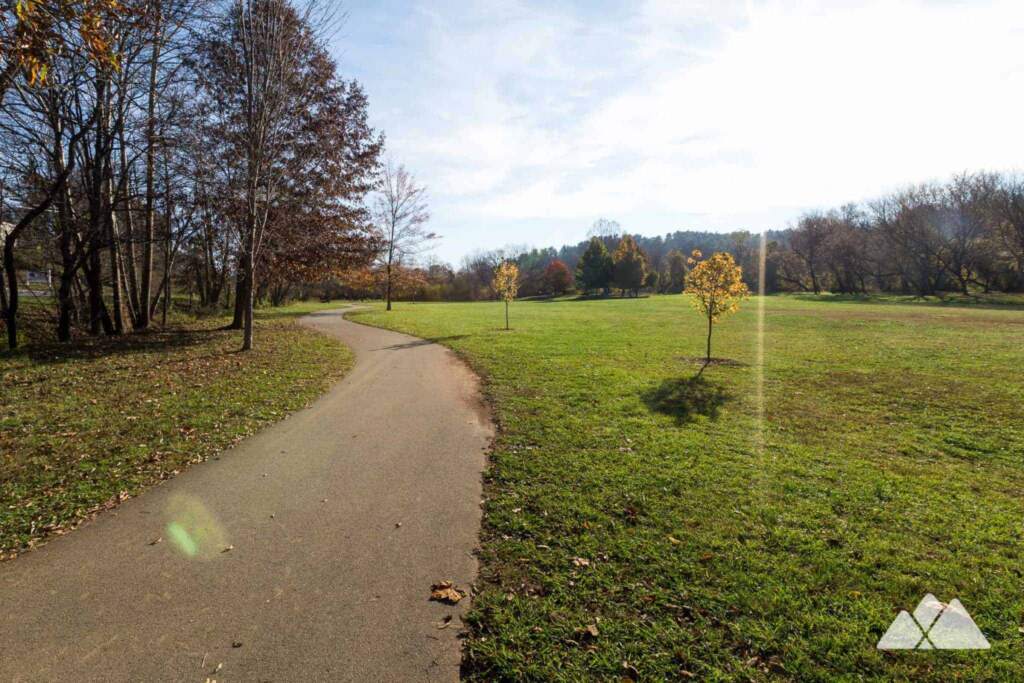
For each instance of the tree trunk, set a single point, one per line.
(69, 265)
(66, 306)
(240, 295)
(168, 256)
(3, 292)
(115, 257)
(129, 260)
(506, 314)
(12, 287)
(388, 285)
(167, 284)
(247, 334)
(710, 322)
(123, 275)
(250, 279)
(150, 227)
(99, 318)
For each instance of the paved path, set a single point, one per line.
(320, 584)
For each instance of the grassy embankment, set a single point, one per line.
(85, 425)
(635, 526)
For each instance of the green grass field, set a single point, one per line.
(84, 426)
(643, 524)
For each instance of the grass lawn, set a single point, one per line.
(643, 524)
(86, 425)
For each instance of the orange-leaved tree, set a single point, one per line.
(557, 278)
(716, 288)
(506, 284)
(36, 30)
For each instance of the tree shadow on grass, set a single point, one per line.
(687, 398)
(423, 342)
(568, 298)
(284, 312)
(975, 300)
(92, 348)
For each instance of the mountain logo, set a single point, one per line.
(934, 626)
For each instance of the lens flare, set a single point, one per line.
(192, 529)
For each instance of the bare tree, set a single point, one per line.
(807, 244)
(1009, 217)
(605, 229)
(401, 215)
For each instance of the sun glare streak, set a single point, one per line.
(759, 350)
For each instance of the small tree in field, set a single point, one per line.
(401, 214)
(506, 284)
(716, 286)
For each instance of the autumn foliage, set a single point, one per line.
(41, 30)
(716, 288)
(506, 284)
(629, 266)
(557, 277)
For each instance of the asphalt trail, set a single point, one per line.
(338, 519)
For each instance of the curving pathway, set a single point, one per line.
(305, 553)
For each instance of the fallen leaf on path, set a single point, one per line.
(445, 623)
(445, 591)
(228, 549)
(156, 540)
(236, 643)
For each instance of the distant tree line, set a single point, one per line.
(601, 265)
(963, 235)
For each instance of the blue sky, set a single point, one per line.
(527, 121)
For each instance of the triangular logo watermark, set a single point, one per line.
(934, 626)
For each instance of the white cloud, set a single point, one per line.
(727, 110)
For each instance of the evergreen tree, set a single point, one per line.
(630, 266)
(594, 270)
